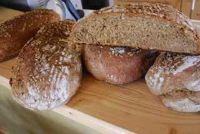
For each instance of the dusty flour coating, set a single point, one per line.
(113, 78)
(169, 64)
(62, 88)
(52, 73)
(193, 82)
(124, 50)
(166, 70)
(184, 105)
(155, 81)
(117, 50)
(187, 62)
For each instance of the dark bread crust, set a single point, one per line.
(48, 69)
(117, 65)
(135, 24)
(14, 33)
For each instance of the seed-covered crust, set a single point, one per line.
(14, 33)
(48, 69)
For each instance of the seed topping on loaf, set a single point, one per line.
(39, 14)
(48, 68)
(51, 30)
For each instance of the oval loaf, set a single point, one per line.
(48, 70)
(14, 33)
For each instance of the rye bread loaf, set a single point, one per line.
(48, 69)
(14, 33)
(139, 25)
(176, 79)
(117, 65)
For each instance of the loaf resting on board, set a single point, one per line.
(48, 69)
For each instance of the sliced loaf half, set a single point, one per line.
(139, 25)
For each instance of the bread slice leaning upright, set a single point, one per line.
(139, 25)
(48, 69)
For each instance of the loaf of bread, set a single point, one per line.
(139, 25)
(48, 69)
(176, 79)
(14, 33)
(117, 65)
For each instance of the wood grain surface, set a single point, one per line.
(130, 106)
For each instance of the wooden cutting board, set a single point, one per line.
(119, 109)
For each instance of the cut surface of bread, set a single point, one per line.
(139, 25)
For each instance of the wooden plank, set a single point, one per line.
(104, 107)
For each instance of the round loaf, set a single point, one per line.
(14, 33)
(48, 70)
(117, 65)
(176, 79)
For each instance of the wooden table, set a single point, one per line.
(117, 109)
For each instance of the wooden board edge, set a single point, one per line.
(90, 121)
(4, 82)
(81, 118)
